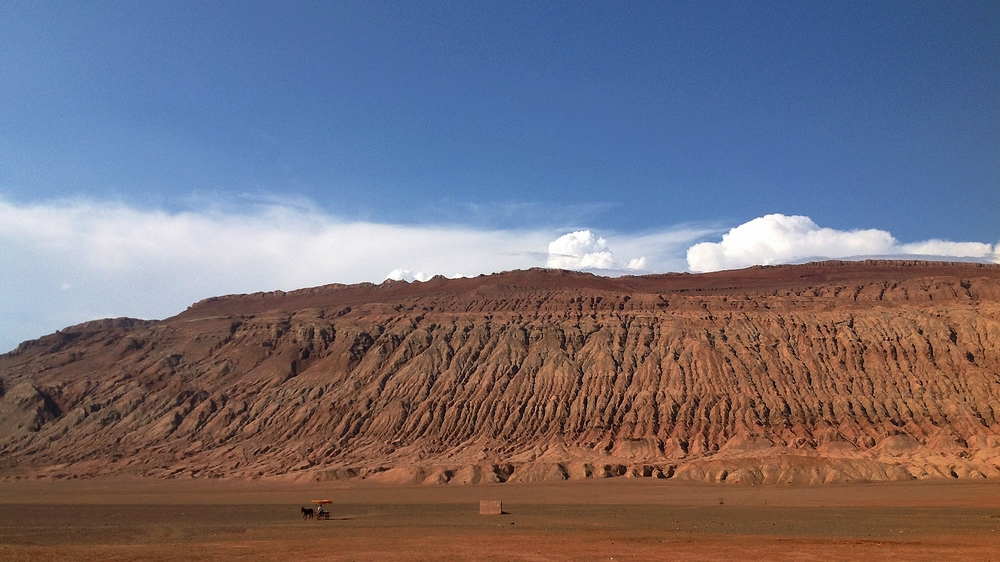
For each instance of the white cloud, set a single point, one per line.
(122, 261)
(774, 239)
(647, 252)
(580, 250)
(66, 262)
(400, 274)
(636, 264)
(62, 263)
(946, 248)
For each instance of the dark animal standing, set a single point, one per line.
(308, 513)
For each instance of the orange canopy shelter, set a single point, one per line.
(322, 502)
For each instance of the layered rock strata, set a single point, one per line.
(817, 373)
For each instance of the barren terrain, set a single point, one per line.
(614, 519)
(819, 373)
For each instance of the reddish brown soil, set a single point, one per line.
(586, 520)
(819, 373)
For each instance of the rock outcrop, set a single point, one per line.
(815, 373)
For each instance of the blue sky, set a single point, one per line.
(156, 153)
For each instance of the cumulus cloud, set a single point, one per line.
(636, 264)
(656, 251)
(580, 250)
(774, 239)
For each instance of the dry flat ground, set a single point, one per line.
(620, 519)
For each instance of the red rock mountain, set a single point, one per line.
(822, 372)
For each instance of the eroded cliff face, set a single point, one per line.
(817, 373)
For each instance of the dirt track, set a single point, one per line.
(640, 520)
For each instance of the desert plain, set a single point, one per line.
(610, 519)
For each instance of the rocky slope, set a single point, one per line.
(815, 373)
